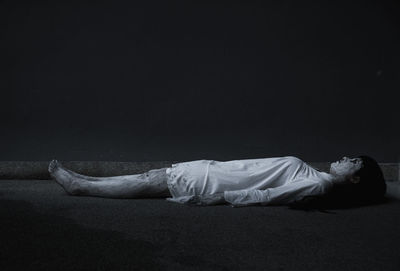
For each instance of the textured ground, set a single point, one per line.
(44, 228)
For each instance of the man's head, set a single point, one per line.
(346, 168)
(363, 174)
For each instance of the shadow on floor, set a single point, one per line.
(34, 241)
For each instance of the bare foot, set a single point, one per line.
(71, 183)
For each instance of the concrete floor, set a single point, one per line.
(42, 228)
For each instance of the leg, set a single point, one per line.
(147, 185)
(55, 163)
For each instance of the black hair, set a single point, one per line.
(370, 190)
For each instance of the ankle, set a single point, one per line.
(76, 189)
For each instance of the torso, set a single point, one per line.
(209, 176)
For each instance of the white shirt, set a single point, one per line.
(266, 181)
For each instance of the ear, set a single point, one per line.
(355, 179)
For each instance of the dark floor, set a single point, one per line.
(44, 228)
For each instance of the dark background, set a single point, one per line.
(186, 80)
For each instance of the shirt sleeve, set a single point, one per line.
(276, 196)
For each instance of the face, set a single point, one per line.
(346, 167)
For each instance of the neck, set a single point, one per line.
(337, 178)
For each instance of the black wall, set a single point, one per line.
(186, 80)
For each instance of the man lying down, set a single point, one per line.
(264, 181)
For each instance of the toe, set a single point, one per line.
(52, 165)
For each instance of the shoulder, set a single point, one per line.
(324, 185)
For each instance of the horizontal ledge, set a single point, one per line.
(37, 170)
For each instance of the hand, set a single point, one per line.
(207, 199)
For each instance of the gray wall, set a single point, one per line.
(186, 80)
